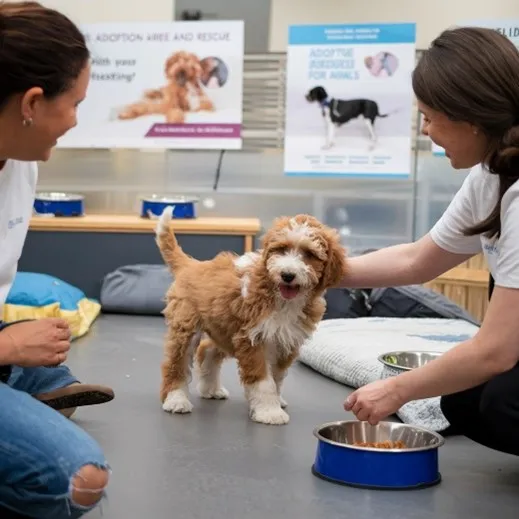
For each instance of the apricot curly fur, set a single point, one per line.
(233, 306)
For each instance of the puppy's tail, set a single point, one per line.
(172, 254)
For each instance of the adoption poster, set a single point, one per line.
(174, 85)
(508, 28)
(349, 100)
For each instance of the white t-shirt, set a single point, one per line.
(473, 203)
(17, 191)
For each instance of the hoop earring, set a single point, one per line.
(27, 122)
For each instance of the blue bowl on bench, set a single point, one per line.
(58, 204)
(413, 465)
(183, 206)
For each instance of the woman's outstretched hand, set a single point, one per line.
(375, 402)
(43, 342)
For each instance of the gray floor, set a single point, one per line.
(216, 464)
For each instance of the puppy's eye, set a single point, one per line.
(280, 249)
(310, 254)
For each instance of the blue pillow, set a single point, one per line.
(36, 296)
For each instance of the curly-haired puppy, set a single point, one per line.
(258, 308)
(183, 92)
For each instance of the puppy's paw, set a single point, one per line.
(213, 393)
(270, 415)
(177, 402)
(283, 402)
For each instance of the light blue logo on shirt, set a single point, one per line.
(490, 248)
(13, 222)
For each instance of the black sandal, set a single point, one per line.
(76, 395)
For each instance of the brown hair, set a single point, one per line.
(39, 47)
(471, 74)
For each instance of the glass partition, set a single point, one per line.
(369, 213)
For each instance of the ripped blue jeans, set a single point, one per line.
(41, 451)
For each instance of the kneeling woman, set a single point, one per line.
(467, 88)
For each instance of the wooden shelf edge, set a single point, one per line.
(136, 224)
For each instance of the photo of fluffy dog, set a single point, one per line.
(183, 92)
(337, 112)
(258, 308)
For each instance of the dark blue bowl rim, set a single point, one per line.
(440, 439)
(380, 358)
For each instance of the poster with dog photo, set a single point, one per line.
(349, 100)
(170, 85)
(508, 28)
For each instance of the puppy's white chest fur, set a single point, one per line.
(283, 329)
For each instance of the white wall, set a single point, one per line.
(91, 11)
(430, 16)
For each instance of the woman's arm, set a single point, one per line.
(492, 351)
(407, 264)
(495, 348)
(6, 345)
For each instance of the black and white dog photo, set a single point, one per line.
(337, 112)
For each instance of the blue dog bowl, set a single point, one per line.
(183, 207)
(340, 461)
(58, 204)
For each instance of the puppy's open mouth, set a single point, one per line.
(289, 291)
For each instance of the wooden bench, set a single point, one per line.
(82, 250)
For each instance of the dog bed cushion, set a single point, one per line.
(347, 350)
(37, 296)
(136, 289)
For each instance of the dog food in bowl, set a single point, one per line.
(388, 444)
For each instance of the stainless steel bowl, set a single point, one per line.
(407, 360)
(58, 197)
(346, 433)
(170, 199)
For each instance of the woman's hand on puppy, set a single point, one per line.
(376, 401)
(43, 342)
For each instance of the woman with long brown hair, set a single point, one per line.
(467, 88)
(49, 467)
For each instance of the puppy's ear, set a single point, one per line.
(274, 235)
(336, 262)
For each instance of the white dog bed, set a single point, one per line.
(346, 351)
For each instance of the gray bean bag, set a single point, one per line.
(136, 289)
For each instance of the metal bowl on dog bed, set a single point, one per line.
(387, 456)
(395, 362)
(183, 206)
(58, 204)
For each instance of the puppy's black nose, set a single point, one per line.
(287, 277)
